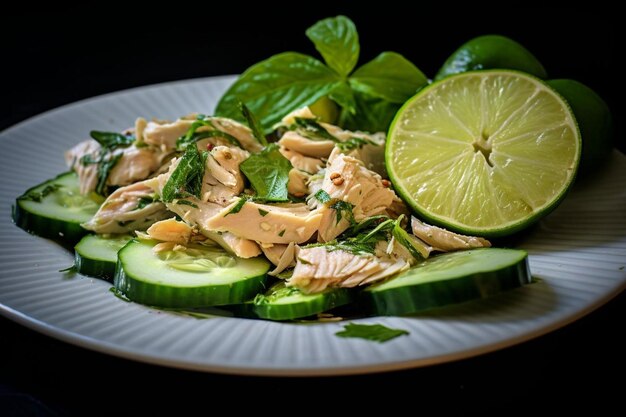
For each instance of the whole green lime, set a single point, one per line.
(491, 52)
(594, 121)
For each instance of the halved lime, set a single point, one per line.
(485, 152)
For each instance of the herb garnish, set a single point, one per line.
(263, 213)
(322, 196)
(193, 136)
(143, 202)
(105, 162)
(374, 332)
(237, 207)
(343, 209)
(354, 143)
(37, 196)
(187, 203)
(268, 173)
(186, 180)
(311, 129)
(253, 123)
(111, 140)
(369, 97)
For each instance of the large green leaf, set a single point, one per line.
(277, 86)
(389, 76)
(373, 114)
(268, 173)
(337, 41)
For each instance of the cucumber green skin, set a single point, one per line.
(65, 232)
(94, 267)
(158, 295)
(414, 298)
(333, 298)
(491, 52)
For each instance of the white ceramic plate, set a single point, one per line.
(578, 253)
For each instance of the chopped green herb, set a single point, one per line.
(415, 247)
(192, 136)
(354, 143)
(373, 332)
(111, 140)
(143, 202)
(343, 208)
(37, 196)
(281, 233)
(322, 196)
(263, 213)
(253, 123)
(311, 129)
(268, 173)
(186, 180)
(237, 207)
(105, 162)
(186, 203)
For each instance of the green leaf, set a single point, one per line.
(253, 123)
(105, 162)
(373, 332)
(143, 202)
(186, 180)
(192, 136)
(311, 129)
(337, 40)
(268, 173)
(389, 76)
(111, 140)
(372, 114)
(237, 207)
(277, 86)
(322, 196)
(354, 143)
(343, 95)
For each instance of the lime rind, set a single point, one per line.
(499, 218)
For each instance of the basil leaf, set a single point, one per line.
(237, 207)
(111, 140)
(105, 162)
(372, 114)
(253, 123)
(337, 40)
(374, 332)
(192, 136)
(276, 87)
(311, 129)
(186, 180)
(389, 76)
(268, 173)
(343, 95)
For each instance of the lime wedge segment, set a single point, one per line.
(485, 152)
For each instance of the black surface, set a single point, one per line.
(49, 58)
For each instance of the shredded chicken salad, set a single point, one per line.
(315, 200)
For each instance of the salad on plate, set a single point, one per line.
(315, 185)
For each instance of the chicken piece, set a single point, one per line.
(294, 141)
(87, 173)
(135, 164)
(371, 154)
(200, 213)
(140, 126)
(317, 268)
(222, 178)
(170, 230)
(241, 132)
(347, 180)
(303, 113)
(444, 240)
(297, 185)
(301, 162)
(165, 134)
(283, 256)
(283, 223)
(128, 209)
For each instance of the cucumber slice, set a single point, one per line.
(449, 278)
(199, 276)
(55, 209)
(96, 255)
(286, 303)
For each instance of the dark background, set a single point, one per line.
(50, 58)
